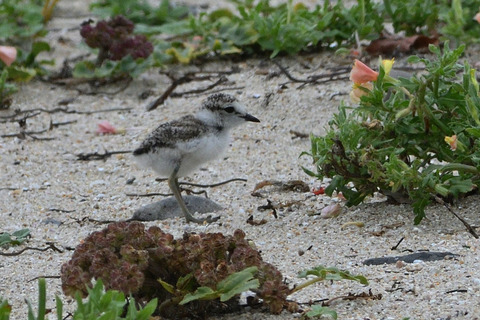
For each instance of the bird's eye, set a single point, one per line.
(229, 109)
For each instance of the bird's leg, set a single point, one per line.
(174, 186)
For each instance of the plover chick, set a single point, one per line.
(178, 147)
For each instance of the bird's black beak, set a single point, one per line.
(249, 117)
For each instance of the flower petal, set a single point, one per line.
(387, 65)
(452, 141)
(105, 127)
(8, 54)
(477, 17)
(362, 73)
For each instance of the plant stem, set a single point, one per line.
(306, 284)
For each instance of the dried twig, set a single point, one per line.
(363, 295)
(153, 194)
(211, 185)
(395, 247)
(315, 79)
(88, 219)
(45, 277)
(189, 77)
(465, 223)
(298, 134)
(51, 246)
(221, 80)
(37, 111)
(99, 156)
(187, 190)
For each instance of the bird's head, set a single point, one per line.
(224, 110)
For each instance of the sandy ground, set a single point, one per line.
(45, 188)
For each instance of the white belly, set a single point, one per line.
(190, 155)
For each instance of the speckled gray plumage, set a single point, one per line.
(167, 135)
(217, 101)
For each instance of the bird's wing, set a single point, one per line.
(169, 134)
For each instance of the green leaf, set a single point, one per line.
(59, 306)
(147, 311)
(170, 288)
(84, 69)
(202, 293)
(37, 48)
(22, 233)
(20, 73)
(332, 273)
(5, 309)
(321, 312)
(474, 131)
(237, 283)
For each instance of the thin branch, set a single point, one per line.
(315, 79)
(88, 219)
(64, 123)
(153, 194)
(99, 156)
(187, 190)
(189, 77)
(212, 185)
(465, 223)
(221, 80)
(45, 277)
(51, 246)
(37, 111)
(176, 82)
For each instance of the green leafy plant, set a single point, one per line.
(457, 18)
(140, 12)
(321, 312)
(42, 301)
(16, 238)
(410, 139)
(110, 305)
(6, 90)
(285, 28)
(20, 21)
(101, 304)
(226, 289)
(23, 69)
(412, 16)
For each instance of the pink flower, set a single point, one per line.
(8, 54)
(477, 17)
(361, 73)
(105, 127)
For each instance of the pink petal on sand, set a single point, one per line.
(105, 127)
